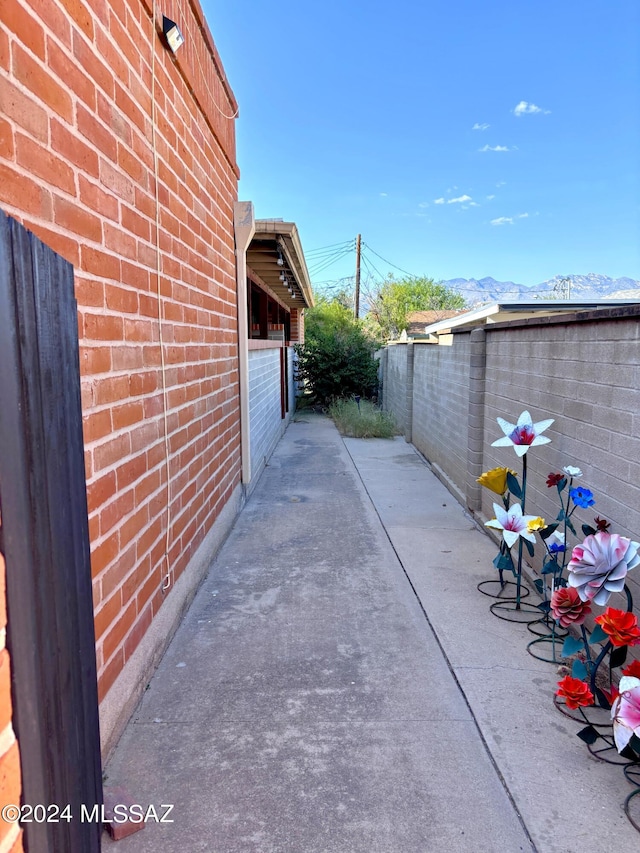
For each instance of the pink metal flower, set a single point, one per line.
(522, 435)
(568, 608)
(512, 523)
(625, 711)
(599, 566)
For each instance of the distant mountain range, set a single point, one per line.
(590, 286)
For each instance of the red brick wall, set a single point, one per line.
(10, 786)
(77, 167)
(297, 326)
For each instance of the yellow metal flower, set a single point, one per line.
(536, 524)
(495, 479)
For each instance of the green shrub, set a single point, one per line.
(336, 359)
(365, 422)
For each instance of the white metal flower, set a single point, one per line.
(523, 434)
(570, 471)
(557, 537)
(625, 711)
(512, 523)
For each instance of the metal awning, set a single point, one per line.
(276, 258)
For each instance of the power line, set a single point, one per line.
(373, 266)
(328, 262)
(324, 258)
(395, 266)
(329, 249)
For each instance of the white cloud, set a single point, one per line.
(494, 148)
(438, 201)
(490, 197)
(461, 199)
(509, 220)
(473, 204)
(524, 108)
(501, 184)
(424, 204)
(478, 126)
(384, 195)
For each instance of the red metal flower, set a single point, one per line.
(568, 608)
(612, 694)
(620, 626)
(575, 692)
(554, 479)
(601, 523)
(633, 669)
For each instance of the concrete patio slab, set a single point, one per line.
(339, 686)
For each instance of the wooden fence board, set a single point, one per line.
(42, 483)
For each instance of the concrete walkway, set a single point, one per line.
(339, 685)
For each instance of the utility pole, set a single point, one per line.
(562, 288)
(356, 301)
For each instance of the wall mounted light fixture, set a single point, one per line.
(172, 34)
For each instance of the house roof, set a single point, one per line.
(418, 320)
(500, 312)
(276, 257)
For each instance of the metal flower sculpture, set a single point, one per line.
(599, 566)
(625, 712)
(523, 434)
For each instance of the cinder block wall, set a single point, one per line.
(394, 392)
(587, 377)
(440, 407)
(265, 420)
(584, 373)
(10, 781)
(139, 199)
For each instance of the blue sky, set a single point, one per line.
(460, 138)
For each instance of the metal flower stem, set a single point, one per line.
(522, 501)
(592, 665)
(629, 599)
(587, 650)
(596, 665)
(566, 526)
(506, 500)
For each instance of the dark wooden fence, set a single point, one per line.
(45, 539)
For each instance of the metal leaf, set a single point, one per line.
(618, 656)
(578, 670)
(597, 636)
(571, 646)
(549, 529)
(514, 486)
(588, 734)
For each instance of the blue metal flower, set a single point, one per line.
(582, 497)
(556, 548)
